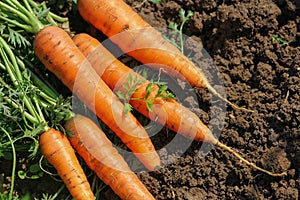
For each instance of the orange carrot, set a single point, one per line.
(99, 154)
(168, 112)
(57, 149)
(137, 38)
(115, 74)
(54, 47)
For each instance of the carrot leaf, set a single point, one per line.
(131, 87)
(178, 28)
(127, 108)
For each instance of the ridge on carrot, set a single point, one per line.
(122, 25)
(56, 50)
(167, 111)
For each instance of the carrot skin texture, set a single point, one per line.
(115, 74)
(73, 69)
(101, 157)
(138, 39)
(57, 149)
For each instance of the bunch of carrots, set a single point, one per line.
(81, 133)
(92, 73)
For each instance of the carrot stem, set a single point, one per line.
(7, 54)
(14, 10)
(26, 114)
(17, 79)
(28, 17)
(14, 22)
(47, 91)
(52, 17)
(13, 170)
(28, 7)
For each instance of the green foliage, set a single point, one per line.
(6, 197)
(178, 28)
(28, 106)
(51, 197)
(132, 86)
(34, 172)
(16, 38)
(280, 40)
(27, 16)
(155, 1)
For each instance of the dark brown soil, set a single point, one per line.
(260, 73)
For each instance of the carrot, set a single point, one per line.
(99, 154)
(115, 74)
(54, 47)
(57, 149)
(166, 111)
(137, 38)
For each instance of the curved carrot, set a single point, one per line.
(166, 111)
(54, 47)
(138, 39)
(115, 74)
(57, 149)
(99, 154)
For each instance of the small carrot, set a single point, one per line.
(57, 149)
(54, 47)
(93, 146)
(168, 112)
(137, 38)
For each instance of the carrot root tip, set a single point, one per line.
(223, 146)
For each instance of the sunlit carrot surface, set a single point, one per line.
(98, 152)
(73, 69)
(57, 149)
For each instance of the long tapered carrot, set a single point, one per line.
(54, 47)
(115, 74)
(168, 112)
(57, 149)
(138, 39)
(99, 154)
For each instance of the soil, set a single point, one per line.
(245, 40)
